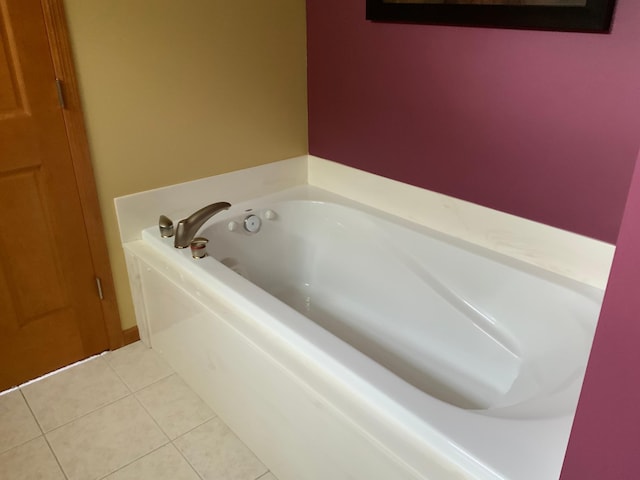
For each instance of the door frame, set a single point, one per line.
(63, 64)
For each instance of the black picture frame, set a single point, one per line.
(594, 17)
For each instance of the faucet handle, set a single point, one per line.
(199, 247)
(166, 226)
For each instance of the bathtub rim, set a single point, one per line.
(534, 407)
(529, 409)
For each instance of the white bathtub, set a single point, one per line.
(430, 358)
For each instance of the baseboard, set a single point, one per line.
(130, 335)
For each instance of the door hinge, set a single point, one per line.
(60, 90)
(99, 285)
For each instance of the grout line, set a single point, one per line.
(116, 372)
(53, 453)
(152, 417)
(187, 460)
(133, 391)
(215, 415)
(169, 440)
(37, 423)
(56, 457)
(264, 475)
(134, 460)
(130, 393)
(31, 410)
(75, 418)
(183, 456)
(18, 445)
(44, 437)
(108, 404)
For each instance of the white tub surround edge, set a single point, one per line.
(568, 254)
(140, 210)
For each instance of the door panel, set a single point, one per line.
(41, 289)
(12, 97)
(50, 314)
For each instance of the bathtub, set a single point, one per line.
(368, 346)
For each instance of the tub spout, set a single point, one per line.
(188, 227)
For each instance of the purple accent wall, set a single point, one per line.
(544, 125)
(605, 440)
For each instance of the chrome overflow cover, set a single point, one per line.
(252, 223)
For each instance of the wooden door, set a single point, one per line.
(50, 312)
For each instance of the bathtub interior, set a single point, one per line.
(469, 327)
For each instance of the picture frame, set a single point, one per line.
(590, 16)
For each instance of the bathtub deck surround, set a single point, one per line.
(574, 256)
(363, 408)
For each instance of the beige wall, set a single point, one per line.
(178, 90)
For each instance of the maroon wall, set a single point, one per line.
(544, 125)
(605, 440)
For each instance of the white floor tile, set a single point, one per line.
(17, 424)
(138, 366)
(99, 430)
(166, 463)
(105, 440)
(175, 407)
(217, 454)
(71, 393)
(30, 461)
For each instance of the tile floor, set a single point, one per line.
(124, 415)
